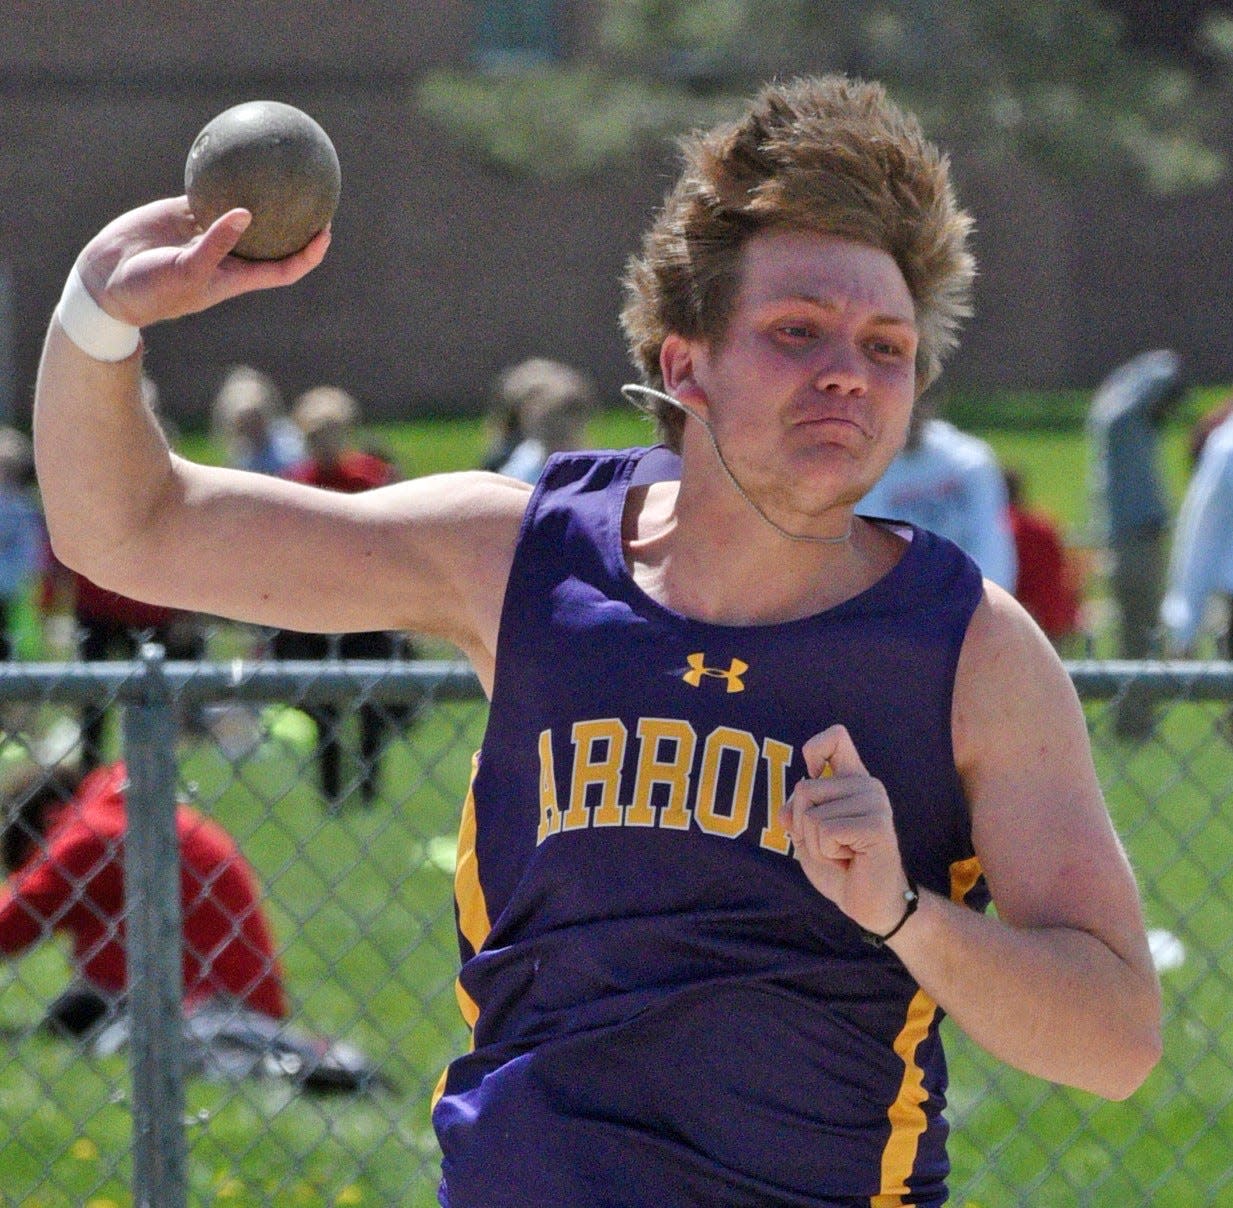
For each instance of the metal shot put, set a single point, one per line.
(273, 160)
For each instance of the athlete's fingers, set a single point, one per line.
(833, 748)
(221, 236)
(830, 756)
(239, 274)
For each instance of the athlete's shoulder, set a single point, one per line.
(1004, 648)
(574, 473)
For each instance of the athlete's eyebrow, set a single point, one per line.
(882, 319)
(892, 320)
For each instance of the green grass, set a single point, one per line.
(1054, 466)
(361, 905)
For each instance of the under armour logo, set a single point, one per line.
(698, 668)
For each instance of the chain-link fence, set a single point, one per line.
(332, 1105)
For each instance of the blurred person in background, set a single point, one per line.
(63, 850)
(949, 482)
(1131, 509)
(21, 531)
(1205, 425)
(1201, 564)
(326, 416)
(502, 430)
(1048, 583)
(248, 421)
(98, 625)
(553, 402)
(63, 853)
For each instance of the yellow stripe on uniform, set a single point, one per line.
(468, 893)
(963, 876)
(906, 1113)
(473, 921)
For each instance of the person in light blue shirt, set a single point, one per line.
(21, 529)
(1130, 506)
(1202, 560)
(553, 402)
(950, 482)
(248, 420)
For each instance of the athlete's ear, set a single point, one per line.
(677, 357)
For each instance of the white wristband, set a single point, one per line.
(90, 327)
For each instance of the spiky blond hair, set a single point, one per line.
(826, 154)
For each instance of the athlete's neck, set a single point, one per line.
(726, 574)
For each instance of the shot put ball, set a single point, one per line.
(273, 160)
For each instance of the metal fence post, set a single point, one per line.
(155, 972)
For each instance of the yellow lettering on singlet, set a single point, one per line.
(744, 746)
(549, 809)
(654, 733)
(607, 736)
(778, 757)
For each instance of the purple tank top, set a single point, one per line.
(664, 1010)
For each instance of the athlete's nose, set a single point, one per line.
(842, 370)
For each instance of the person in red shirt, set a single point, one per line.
(63, 849)
(327, 416)
(1048, 583)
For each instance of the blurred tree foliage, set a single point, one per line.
(1057, 83)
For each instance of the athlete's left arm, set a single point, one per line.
(1060, 982)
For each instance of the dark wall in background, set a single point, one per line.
(444, 269)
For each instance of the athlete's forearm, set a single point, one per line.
(1056, 1002)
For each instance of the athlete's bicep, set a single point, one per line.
(456, 537)
(436, 553)
(1039, 823)
(425, 555)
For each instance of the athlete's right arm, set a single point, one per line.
(429, 555)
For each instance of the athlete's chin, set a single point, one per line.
(815, 494)
(829, 462)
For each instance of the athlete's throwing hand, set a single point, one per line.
(156, 263)
(840, 822)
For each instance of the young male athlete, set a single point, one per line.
(754, 765)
